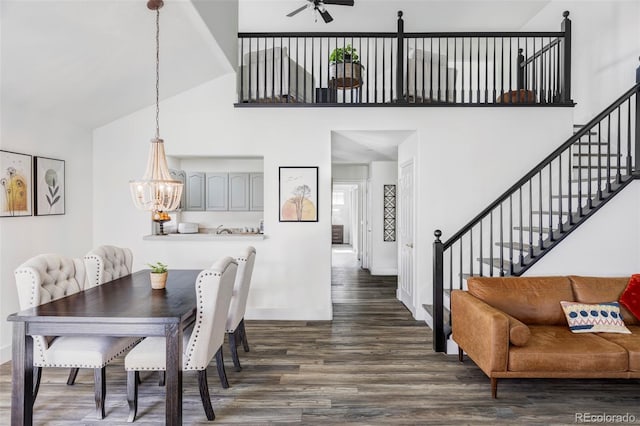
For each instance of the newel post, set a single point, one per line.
(637, 141)
(439, 339)
(565, 81)
(400, 60)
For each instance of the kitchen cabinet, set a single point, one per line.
(239, 191)
(195, 188)
(217, 191)
(256, 191)
(181, 175)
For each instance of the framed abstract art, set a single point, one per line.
(15, 184)
(49, 180)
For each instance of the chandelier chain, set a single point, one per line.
(158, 73)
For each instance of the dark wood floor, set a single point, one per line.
(372, 364)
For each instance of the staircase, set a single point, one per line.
(541, 209)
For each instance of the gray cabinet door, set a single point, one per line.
(182, 177)
(239, 191)
(256, 201)
(217, 192)
(195, 191)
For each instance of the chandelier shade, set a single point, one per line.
(156, 191)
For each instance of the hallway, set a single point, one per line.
(372, 364)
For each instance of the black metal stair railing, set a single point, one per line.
(403, 68)
(542, 208)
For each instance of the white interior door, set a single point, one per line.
(405, 216)
(366, 255)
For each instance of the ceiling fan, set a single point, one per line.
(319, 6)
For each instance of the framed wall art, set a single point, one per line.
(298, 194)
(49, 186)
(15, 184)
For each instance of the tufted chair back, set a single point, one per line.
(107, 263)
(44, 278)
(214, 287)
(241, 288)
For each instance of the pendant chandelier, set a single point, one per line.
(156, 191)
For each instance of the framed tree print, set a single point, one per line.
(298, 194)
(15, 184)
(49, 186)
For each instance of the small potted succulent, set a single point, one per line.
(158, 275)
(346, 71)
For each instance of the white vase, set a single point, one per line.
(158, 280)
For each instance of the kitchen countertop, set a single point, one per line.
(205, 236)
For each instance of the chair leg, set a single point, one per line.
(100, 378)
(204, 394)
(243, 334)
(73, 373)
(161, 378)
(221, 371)
(133, 378)
(460, 355)
(494, 388)
(233, 345)
(37, 375)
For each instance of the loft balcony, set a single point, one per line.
(331, 69)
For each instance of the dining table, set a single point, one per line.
(126, 306)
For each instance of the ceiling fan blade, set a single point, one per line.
(298, 10)
(325, 15)
(339, 2)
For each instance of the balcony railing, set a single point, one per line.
(405, 69)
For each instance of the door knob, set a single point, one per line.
(409, 245)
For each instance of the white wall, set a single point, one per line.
(384, 254)
(462, 168)
(23, 237)
(349, 172)
(605, 44)
(221, 17)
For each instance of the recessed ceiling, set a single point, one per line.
(93, 61)
(365, 146)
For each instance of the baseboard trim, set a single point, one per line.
(384, 271)
(283, 314)
(5, 354)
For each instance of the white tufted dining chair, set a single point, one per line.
(235, 320)
(48, 277)
(203, 339)
(107, 263)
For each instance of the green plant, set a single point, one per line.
(339, 53)
(158, 268)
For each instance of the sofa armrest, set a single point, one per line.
(481, 330)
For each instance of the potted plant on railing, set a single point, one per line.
(158, 275)
(346, 71)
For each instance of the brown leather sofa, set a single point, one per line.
(515, 328)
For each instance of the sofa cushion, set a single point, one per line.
(631, 342)
(594, 317)
(630, 297)
(555, 348)
(599, 289)
(532, 300)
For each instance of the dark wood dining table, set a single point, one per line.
(126, 306)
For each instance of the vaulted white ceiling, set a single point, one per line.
(93, 61)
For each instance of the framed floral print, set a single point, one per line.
(49, 180)
(15, 184)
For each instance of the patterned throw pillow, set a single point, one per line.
(594, 318)
(630, 297)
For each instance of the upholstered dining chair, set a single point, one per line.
(203, 338)
(235, 319)
(48, 277)
(106, 263)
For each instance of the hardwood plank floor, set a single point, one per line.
(372, 364)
